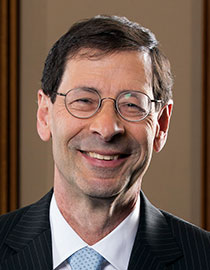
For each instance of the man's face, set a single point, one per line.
(105, 155)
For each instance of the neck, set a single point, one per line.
(92, 218)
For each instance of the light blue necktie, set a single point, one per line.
(86, 259)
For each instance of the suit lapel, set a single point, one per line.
(154, 247)
(30, 239)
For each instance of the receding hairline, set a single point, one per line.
(95, 53)
(106, 35)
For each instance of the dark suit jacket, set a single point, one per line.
(162, 241)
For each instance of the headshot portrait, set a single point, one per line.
(110, 174)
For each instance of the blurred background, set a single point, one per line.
(174, 181)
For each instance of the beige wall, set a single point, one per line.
(174, 179)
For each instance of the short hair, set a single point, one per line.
(107, 35)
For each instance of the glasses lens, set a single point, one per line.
(133, 106)
(82, 103)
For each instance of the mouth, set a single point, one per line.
(104, 157)
(104, 160)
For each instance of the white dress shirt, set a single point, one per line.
(116, 247)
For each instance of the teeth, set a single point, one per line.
(102, 157)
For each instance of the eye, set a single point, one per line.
(82, 104)
(130, 106)
(83, 100)
(132, 110)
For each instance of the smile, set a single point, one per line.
(104, 160)
(102, 157)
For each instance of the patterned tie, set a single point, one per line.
(86, 259)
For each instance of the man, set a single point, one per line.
(105, 103)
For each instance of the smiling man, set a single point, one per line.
(106, 103)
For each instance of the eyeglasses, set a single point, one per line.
(85, 102)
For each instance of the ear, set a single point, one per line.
(164, 117)
(43, 126)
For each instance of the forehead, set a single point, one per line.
(127, 70)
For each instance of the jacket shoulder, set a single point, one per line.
(187, 233)
(9, 220)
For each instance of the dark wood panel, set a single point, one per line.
(206, 115)
(8, 105)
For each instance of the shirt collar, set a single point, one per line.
(65, 241)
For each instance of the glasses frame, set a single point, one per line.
(115, 103)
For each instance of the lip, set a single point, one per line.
(104, 159)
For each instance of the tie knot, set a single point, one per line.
(86, 259)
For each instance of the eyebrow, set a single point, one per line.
(89, 88)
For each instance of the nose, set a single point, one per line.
(106, 122)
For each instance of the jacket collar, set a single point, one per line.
(31, 239)
(155, 244)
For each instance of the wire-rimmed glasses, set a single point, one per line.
(85, 102)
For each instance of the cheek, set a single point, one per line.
(64, 133)
(66, 126)
(144, 134)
